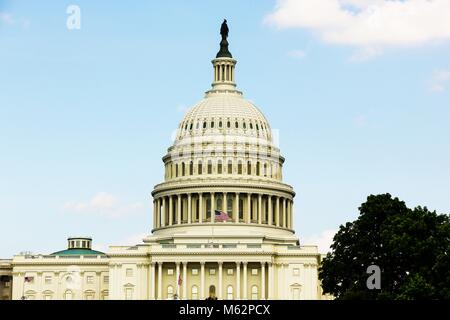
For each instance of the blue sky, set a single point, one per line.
(362, 107)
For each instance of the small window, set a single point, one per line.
(129, 272)
(212, 124)
(128, 293)
(169, 292)
(230, 272)
(251, 125)
(106, 279)
(230, 292)
(236, 124)
(48, 280)
(194, 272)
(209, 167)
(254, 293)
(170, 272)
(190, 127)
(254, 272)
(204, 125)
(244, 125)
(200, 167)
(194, 293)
(219, 167)
(90, 279)
(249, 167)
(220, 124)
(212, 272)
(228, 124)
(296, 271)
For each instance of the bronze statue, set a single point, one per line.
(224, 52)
(224, 29)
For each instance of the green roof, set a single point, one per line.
(78, 252)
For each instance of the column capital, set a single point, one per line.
(220, 263)
(244, 263)
(202, 263)
(238, 263)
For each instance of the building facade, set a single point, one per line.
(222, 219)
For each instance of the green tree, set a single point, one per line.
(411, 247)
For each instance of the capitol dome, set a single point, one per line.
(224, 168)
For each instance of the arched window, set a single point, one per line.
(251, 125)
(190, 127)
(265, 170)
(200, 167)
(176, 170)
(191, 168)
(198, 125)
(229, 205)
(219, 202)
(236, 124)
(230, 167)
(244, 125)
(219, 167)
(228, 124)
(212, 124)
(258, 168)
(204, 124)
(209, 167)
(194, 293)
(239, 167)
(254, 292)
(68, 295)
(220, 124)
(183, 169)
(169, 292)
(230, 292)
(249, 167)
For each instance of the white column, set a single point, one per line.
(170, 211)
(177, 275)
(213, 206)
(154, 214)
(236, 205)
(202, 280)
(284, 212)
(200, 207)
(269, 202)
(249, 207)
(224, 203)
(163, 218)
(152, 281)
(158, 213)
(259, 209)
(277, 212)
(159, 280)
(263, 281)
(189, 208)
(179, 209)
(244, 280)
(270, 283)
(184, 280)
(219, 295)
(238, 280)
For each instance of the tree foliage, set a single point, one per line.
(411, 247)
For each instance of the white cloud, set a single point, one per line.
(6, 18)
(439, 80)
(104, 204)
(323, 240)
(360, 121)
(369, 25)
(297, 54)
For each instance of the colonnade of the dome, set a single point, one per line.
(245, 207)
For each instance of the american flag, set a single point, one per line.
(221, 216)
